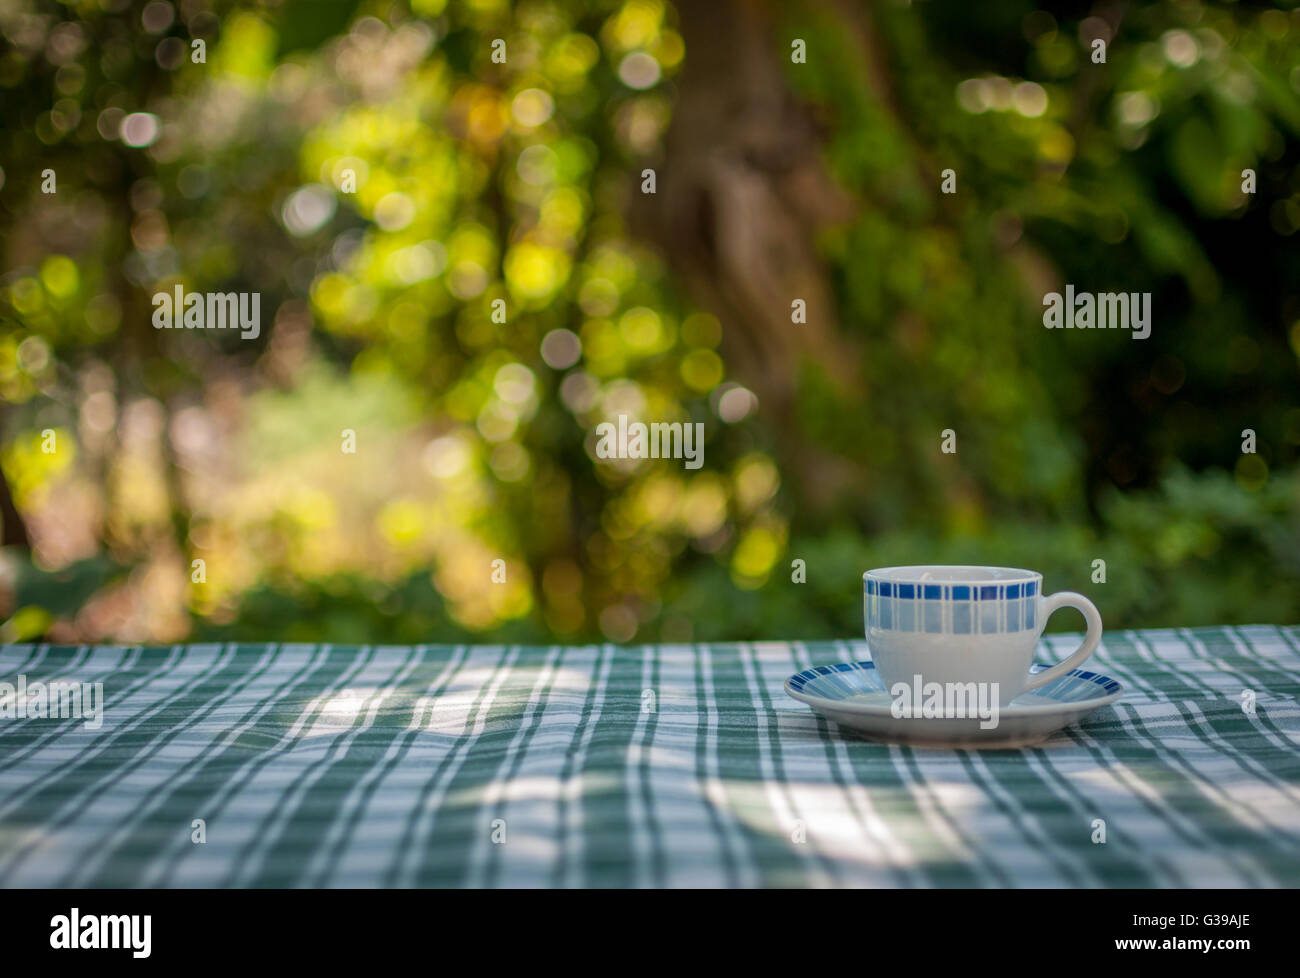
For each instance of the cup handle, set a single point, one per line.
(1068, 599)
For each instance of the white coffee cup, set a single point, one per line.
(966, 624)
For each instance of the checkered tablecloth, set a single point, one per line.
(318, 765)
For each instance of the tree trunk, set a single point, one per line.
(742, 193)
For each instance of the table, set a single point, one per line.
(613, 766)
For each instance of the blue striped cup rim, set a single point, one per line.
(952, 574)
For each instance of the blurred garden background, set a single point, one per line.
(129, 453)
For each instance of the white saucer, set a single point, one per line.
(851, 694)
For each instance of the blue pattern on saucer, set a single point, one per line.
(848, 679)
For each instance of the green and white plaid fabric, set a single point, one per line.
(629, 766)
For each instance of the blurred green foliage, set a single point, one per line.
(478, 182)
